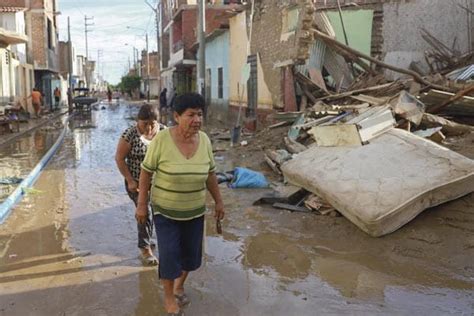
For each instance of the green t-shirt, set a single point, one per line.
(179, 184)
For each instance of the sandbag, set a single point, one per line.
(385, 184)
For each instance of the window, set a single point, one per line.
(220, 83)
(50, 34)
(290, 17)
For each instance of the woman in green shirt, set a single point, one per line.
(181, 163)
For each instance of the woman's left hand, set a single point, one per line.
(219, 211)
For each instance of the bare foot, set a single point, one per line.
(171, 306)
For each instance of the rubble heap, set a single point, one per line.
(354, 111)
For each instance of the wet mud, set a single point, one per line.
(70, 248)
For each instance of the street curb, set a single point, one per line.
(22, 133)
(18, 193)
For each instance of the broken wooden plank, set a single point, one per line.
(369, 99)
(461, 94)
(288, 194)
(363, 90)
(449, 128)
(292, 208)
(279, 124)
(315, 122)
(272, 164)
(278, 156)
(294, 147)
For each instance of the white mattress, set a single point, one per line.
(384, 185)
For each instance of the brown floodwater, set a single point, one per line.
(69, 248)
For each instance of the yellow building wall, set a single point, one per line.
(238, 58)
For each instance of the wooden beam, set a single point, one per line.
(454, 98)
(333, 42)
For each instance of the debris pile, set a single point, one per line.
(366, 146)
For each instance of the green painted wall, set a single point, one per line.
(358, 26)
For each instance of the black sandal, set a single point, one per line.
(182, 299)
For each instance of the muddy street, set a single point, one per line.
(69, 248)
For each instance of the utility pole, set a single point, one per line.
(134, 59)
(99, 80)
(201, 69)
(147, 70)
(87, 30)
(158, 31)
(69, 46)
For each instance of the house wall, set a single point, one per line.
(13, 3)
(217, 56)
(215, 18)
(43, 57)
(63, 59)
(274, 43)
(238, 41)
(403, 22)
(358, 26)
(15, 22)
(6, 77)
(396, 27)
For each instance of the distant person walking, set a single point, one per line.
(57, 97)
(36, 99)
(130, 154)
(163, 106)
(109, 95)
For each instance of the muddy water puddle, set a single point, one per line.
(73, 244)
(18, 158)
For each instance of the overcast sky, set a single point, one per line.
(110, 33)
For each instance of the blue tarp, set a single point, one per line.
(246, 178)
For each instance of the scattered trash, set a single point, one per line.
(246, 178)
(244, 143)
(13, 256)
(31, 191)
(10, 180)
(223, 177)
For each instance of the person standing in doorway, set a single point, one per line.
(57, 97)
(163, 106)
(130, 153)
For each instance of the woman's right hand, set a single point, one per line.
(141, 213)
(132, 186)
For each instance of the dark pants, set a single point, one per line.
(180, 244)
(145, 231)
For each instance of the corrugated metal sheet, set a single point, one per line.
(463, 74)
(317, 53)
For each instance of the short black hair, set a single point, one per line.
(147, 112)
(188, 101)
